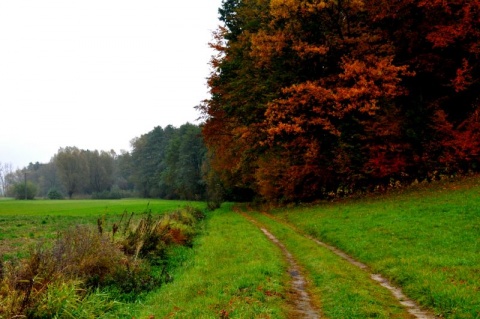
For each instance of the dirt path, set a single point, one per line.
(411, 306)
(298, 293)
(301, 298)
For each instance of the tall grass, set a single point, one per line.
(427, 240)
(61, 278)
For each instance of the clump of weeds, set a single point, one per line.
(54, 279)
(81, 273)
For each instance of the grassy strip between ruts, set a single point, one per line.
(233, 271)
(343, 290)
(426, 240)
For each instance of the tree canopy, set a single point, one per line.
(311, 97)
(168, 163)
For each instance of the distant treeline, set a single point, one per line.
(164, 163)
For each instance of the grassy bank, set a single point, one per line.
(426, 240)
(233, 271)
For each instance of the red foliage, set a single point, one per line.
(459, 146)
(177, 236)
(312, 96)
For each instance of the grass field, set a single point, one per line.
(24, 222)
(426, 240)
(9, 207)
(53, 292)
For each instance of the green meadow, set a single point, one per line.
(230, 271)
(10, 207)
(425, 240)
(23, 223)
(342, 289)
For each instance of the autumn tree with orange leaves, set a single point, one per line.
(315, 97)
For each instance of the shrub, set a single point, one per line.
(145, 239)
(152, 235)
(54, 194)
(19, 192)
(107, 195)
(195, 212)
(133, 279)
(84, 253)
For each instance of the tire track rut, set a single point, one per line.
(411, 306)
(298, 293)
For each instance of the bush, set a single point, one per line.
(133, 279)
(107, 195)
(86, 254)
(19, 192)
(114, 193)
(152, 235)
(54, 194)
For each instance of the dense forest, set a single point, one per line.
(164, 163)
(314, 98)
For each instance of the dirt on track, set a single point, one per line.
(299, 295)
(411, 306)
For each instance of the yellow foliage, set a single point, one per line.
(283, 8)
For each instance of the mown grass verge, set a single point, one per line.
(233, 271)
(426, 240)
(343, 290)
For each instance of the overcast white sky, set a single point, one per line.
(97, 73)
